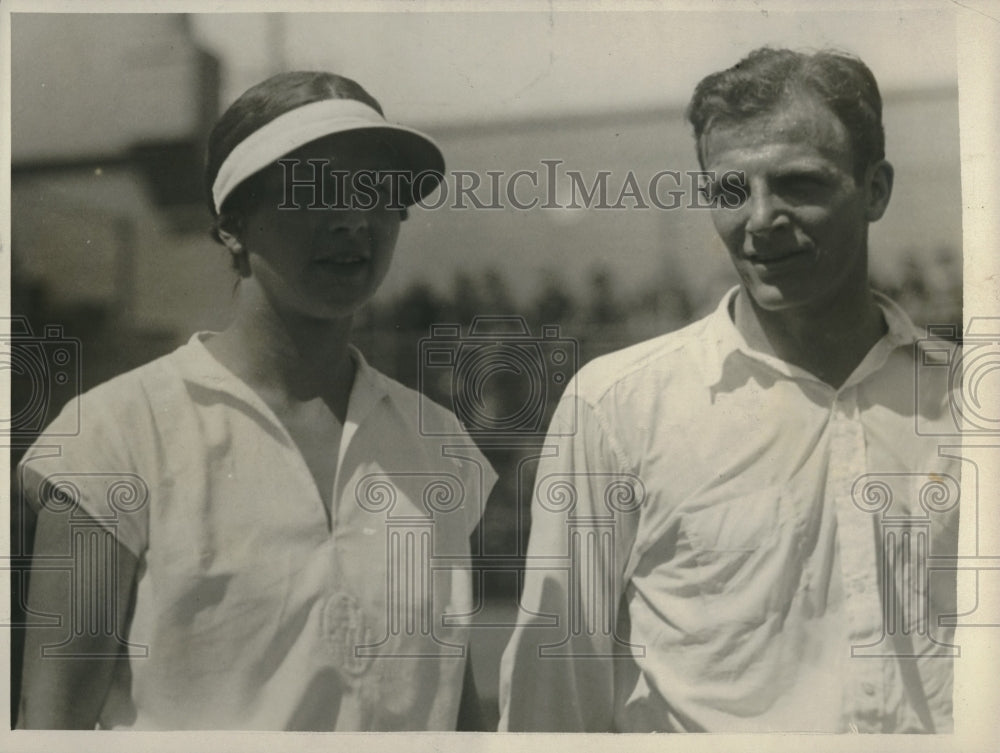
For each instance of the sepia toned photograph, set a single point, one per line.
(529, 368)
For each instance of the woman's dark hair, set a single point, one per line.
(258, 106)
(768, 78)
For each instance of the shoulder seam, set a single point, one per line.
(672, 341)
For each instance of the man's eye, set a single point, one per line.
(712, 190)
(802, 186)
(728, 192)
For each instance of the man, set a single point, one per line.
(731, 533)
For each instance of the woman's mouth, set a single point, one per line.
(343, 263)
(356, 259)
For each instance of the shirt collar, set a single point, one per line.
(203, 369)
(726, 339)
(369, 388)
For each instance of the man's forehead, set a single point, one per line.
(797, 120)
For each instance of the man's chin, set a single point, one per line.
(773, 299)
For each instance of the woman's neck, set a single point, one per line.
(285, 357)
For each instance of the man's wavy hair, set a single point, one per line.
(768, 78)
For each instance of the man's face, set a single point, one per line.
(798, 234)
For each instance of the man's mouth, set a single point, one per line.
(776, 257)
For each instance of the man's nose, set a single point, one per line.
(767, 212)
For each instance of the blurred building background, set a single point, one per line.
(110, 241)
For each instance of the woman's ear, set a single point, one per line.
(229, 229)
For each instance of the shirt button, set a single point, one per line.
(868, 688)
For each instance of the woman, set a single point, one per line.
(260, 536)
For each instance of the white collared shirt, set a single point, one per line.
(252, 609)
(712, 517)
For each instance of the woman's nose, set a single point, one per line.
(349, 220)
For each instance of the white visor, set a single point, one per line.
(287, 132)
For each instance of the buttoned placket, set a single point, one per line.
(874, 682)
(864, 692)
(344, 624)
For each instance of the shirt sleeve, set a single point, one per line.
(81, 463)
(557, 672)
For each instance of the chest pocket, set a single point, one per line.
(731, 538)
(742, 523)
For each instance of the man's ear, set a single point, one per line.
(878, 181)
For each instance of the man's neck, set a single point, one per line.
(828, 342)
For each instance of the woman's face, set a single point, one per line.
(319, 240)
